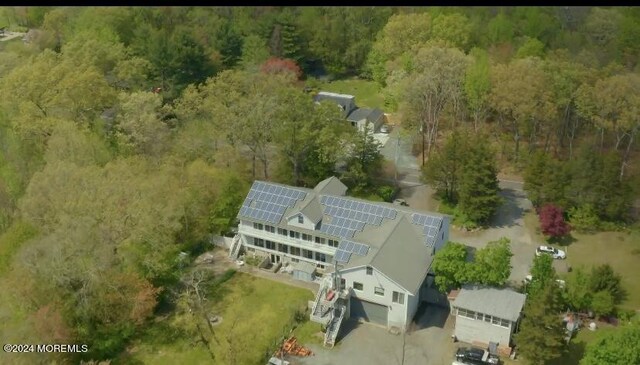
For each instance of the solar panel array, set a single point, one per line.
(267, 202)
(430, 225)
(347, 248)
(349, 216)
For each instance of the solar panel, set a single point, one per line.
(342, 256)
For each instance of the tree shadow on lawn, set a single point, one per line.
(509, 211)
(562, 241)
(571, 354)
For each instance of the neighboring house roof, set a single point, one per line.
(371, 115)
(399, 240)
(331, 186)
(502, 303)
(347, 102)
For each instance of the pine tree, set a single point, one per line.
(541, 332)
(478, 187)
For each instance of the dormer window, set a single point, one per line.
(300, 219)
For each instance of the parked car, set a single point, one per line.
(554, 252)
(400, 202)
(476, 356)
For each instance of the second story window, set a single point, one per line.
(369, 270)
(307, 237)
(320, 240)
(271, 229)
(300, 219)
(258, 226)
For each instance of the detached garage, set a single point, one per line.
(370, 312)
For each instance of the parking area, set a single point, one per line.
(427, 342)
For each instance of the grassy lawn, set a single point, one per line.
(367, 93)
(255, 313)
(619, 249)
(308, 333)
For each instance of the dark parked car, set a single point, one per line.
(475, 356)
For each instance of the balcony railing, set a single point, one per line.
(287, 240)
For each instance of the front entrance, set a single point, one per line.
(275, 258)
(370, 312)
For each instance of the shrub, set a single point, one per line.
(584, 218)
(552, 221)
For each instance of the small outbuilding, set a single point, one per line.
(304, 271)
(485, 315)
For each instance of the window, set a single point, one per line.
(369, 270)
(398, 297)
(321, 267)
(282, 231)
(283, 248)
(320, 240)
(308, 254)
(320, 257)
(505, 323)
(487, 318)
(378, 291)
(343, 283)
(270, 245)
(495, 320)
(479, 316)
(333, 243)
(466, 313)
(294, 251)
(307, 237)
(258, 242)
(257, 226)
(294, 234)
(358, 286)
(300, 219)
(295, 260)
(271, 229)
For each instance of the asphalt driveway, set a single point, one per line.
(427, 342)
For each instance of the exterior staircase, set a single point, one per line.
(234, 250)
(337, 315)
(320, 312)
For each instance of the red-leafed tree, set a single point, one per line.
(275, 65)
(552, 221)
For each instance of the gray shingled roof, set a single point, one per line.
(502, 303)
(331, 186)
(312, 210)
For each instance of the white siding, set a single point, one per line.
(307, 224)
(474, 330)
(397, 312)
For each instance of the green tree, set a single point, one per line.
(531, 48)
(478, 192)
(254, 52)
(542, 273)
(545, 180)
(602, 303)
(578, 292)
(603, 278)
(138, 128)
(618, 347)
(436, 83)
(492, 263)
(444, 169)
(541, 336)
(450, 266)
(520, 93)
(477, 85)
(500, 29)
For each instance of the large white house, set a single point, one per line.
(382, 252)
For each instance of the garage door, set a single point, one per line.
(368, 311)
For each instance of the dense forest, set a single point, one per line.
(129, 135)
